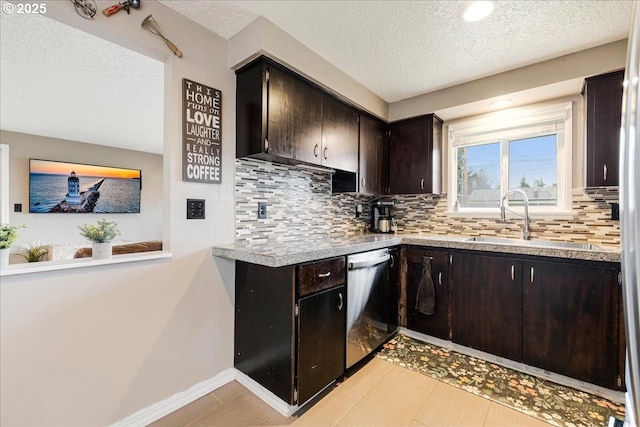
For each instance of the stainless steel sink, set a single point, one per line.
(545, 243)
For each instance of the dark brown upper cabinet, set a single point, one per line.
(603, 112)
(282, 117)
(415, 155)
(374, 158)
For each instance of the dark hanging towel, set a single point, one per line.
(426, 296)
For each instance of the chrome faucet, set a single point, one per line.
(525, 233)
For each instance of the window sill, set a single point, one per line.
(47, 266)
(496, 215)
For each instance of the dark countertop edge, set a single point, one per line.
(254, 255)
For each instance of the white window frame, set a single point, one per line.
(512, 124)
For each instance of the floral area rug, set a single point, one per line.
(552, 403)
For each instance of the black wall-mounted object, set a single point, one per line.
(17, 207)
(195, 208)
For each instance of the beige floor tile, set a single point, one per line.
(193, 411)
(413, 378)
(368, 376)
(393, 401)
(240, 407)
(330, 409)
(450, 406)
(414, 423)
(499, 415)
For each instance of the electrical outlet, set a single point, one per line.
(262, 210)
(17, 207)
(195, 208)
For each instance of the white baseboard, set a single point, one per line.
(265, 395)
(616, 396)
(158, 410)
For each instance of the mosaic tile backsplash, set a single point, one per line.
(300, 205)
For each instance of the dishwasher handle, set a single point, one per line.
(369, 262)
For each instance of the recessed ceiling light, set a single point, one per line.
(478, 10)
(502, 103)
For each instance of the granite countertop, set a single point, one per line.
(281, 253)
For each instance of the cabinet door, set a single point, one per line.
(603, 99)
(414, 156)
(339, 135)
(394, 290)
(487, 304)
(321, 341)
(571, 320)
(294, 117)
(437, 324)
(373, 169)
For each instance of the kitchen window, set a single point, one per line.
(525, 148)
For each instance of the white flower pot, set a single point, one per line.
(101, 250)
(4, 257)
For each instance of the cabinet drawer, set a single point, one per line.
(317, 276)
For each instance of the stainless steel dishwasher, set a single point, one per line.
(368, 303)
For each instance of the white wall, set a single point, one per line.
(92, 346)
(147, 225)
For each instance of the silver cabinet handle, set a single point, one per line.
(422, 184)
(513, 273)
(323, 275)
(326, 153)
(604, 172)
(393, 261)
(440, 278)
(362, 181)
(340, 304)
(532, 275)
(316, 150)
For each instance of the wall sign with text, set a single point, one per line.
(201, 133)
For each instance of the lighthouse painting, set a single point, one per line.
(62, 187)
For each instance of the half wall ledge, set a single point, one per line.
(47, 266)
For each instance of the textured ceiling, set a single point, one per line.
(399, 49)
(78, 87)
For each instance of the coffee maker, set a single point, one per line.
(381, 219)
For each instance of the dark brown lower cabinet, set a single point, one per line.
(290, 326)
(486, 304)
(264, 332)
(436, 324)
(560, 315)
(570, 320)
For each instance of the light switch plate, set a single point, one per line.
(195, 208)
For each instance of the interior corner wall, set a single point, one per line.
(94, 345)
(59, 229)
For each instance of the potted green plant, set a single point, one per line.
(8, 235)
(100, 235)
(34, 252)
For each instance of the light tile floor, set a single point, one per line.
(379, 394)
